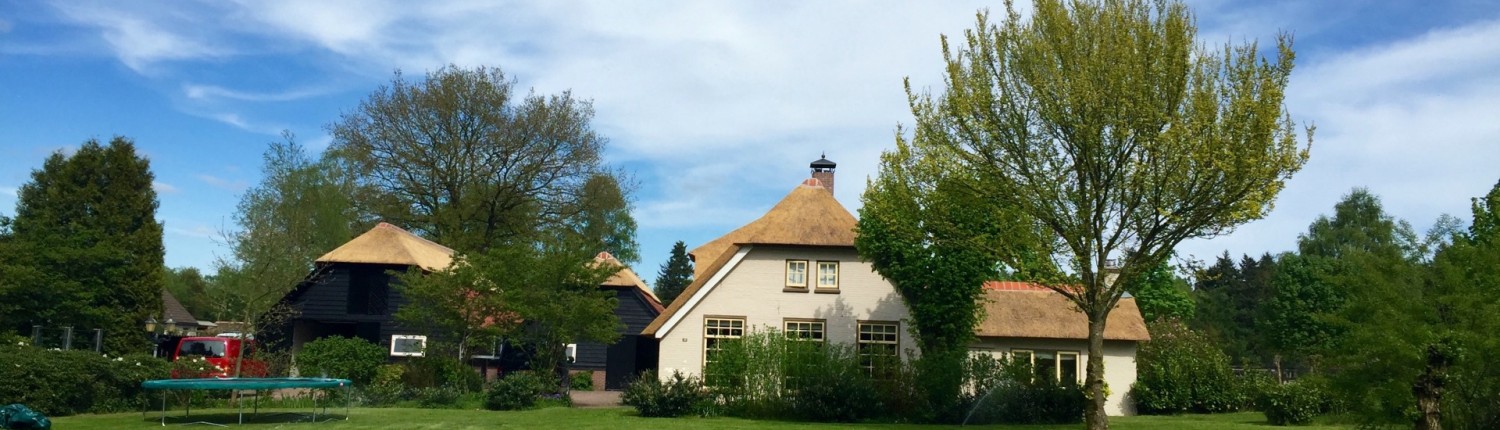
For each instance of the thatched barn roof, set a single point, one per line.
(1020, 309)
(626, 278)
(808, 216)
(388, 244)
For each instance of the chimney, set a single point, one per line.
(822, 170)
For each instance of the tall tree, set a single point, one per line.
(540, 295)
(675, 274)
(1162, 295)
(1106, 125)
(461, 159)
(1315, 283)
(301, 209)
(89, 246)
(192, 290)
(1414, 333)
(603, 218)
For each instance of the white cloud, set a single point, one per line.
(163, 187)
(226, 184)
(197, 231)
(212, 92)
(9, 191)
(141, 37)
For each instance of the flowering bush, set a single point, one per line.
(58, 383)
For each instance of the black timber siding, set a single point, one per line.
(323, 299)
(619, 359)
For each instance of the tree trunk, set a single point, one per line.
(1094, 417)
(1428, 389)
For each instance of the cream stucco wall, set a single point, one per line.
(753, 289)
(1119, 364)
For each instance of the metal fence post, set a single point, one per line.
(36, 335)
(98, 340)
(67, 338)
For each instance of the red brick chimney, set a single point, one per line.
(822, 170)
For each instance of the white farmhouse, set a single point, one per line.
(795, 269)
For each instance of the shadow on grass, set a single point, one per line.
(233, 418)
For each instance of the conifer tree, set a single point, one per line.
(674, 275)
(88, 247)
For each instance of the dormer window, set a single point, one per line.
(796, 273)
(828, 275)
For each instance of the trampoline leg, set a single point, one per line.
(189, 412)
(163, 408)
(242, 405)
(348, 400)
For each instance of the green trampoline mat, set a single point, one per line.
(243, 383)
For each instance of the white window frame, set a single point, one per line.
(570, 352)
(830, 286)
(395, 338)
(1057, 362)
(860, 341)
(817, 330)
(789, 272)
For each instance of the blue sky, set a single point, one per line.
(715, 107)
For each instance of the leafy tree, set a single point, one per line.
(540, 295)
(1110, 130)
(86, 246)
(604, 218)
(932, 238)
(461, 159)
(1162, 295)
(192, 290)
(301, 209)
(675, 274)
(1336, 257)
(1413, 335)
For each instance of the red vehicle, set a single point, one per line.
(220, 353)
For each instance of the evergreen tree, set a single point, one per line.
(675, 274)
(87, 247)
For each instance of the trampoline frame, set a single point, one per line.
(239, 384)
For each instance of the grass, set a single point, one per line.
(581, 419)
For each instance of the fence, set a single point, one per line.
(66, 338)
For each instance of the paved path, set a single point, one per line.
(596, 399)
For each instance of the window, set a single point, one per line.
(879, 345)
(805, 330)
(403, 345)
(717, 333)
(796, 273)
(828, 274)
(367, 291)
(1058, 365)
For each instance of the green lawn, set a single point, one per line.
(610, 418)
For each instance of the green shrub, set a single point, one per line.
(1293, 403)
(582, 381)
(387, 387)
(1180, 370)
(679, 396)
(1010, 392)
(517, 390)
(429, 372)
(825, 383)
(60, 383)
(354, 359)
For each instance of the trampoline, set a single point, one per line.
(257, 384)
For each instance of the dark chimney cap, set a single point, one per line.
(823, 163)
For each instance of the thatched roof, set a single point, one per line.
(809, 215)
(173, 309)
(388, 244)
(626, 278)
(1019, 309)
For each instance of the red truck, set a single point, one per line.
(220, 353)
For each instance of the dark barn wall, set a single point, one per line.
(326, 301)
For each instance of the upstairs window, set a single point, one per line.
(828, 275)
(796, 273)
